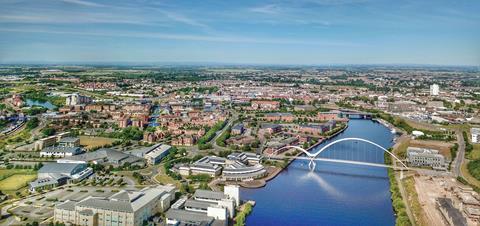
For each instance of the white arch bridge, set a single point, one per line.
(313, 157)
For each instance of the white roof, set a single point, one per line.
(158, 151)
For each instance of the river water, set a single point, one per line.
(334, 193)
(46, 104)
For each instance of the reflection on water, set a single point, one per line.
(47, 104)
(333, 194)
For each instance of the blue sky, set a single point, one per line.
(443, 32)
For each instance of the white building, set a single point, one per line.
(417, 133)
(475, 135)
(76, 99)
(434, 90)
(236, 167)
(60, 151)
(206, 208)
(122, 209)
(425, 157)
(157, 153)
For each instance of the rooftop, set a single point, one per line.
(188, 216)
(69, 139)
(205, 194)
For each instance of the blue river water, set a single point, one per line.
(334, 193)
(46, 104)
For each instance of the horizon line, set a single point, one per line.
(210, 63)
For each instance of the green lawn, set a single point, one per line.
(16, 182)
(163, 178)
(467, 176)
(4, 173)
(415, 206)
(475, 154)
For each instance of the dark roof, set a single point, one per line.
(453, 213)
(199, 193)
(69, 139)
(67, 205)
(61, 168)
(237, 127)
(188, 216)
(111, 155)
(197, 204)
(103, 203)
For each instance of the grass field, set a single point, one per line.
(422, 125)
(4, 173)
(415, 206)
(461, 127)
(163, 178)
(467, 176)
(475, 154)
(400, 148)
(17, 181)
(18, 137)
(92, 142)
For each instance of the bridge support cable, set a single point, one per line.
(312, 157)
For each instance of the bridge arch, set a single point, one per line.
(314, 155)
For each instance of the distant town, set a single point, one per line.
(181, 145)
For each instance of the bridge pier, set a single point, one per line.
(312, 164)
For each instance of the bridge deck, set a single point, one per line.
(344, 161)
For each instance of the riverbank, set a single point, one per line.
(275, 171)
(400, 202)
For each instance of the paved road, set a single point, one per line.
(405, 198)
(460, 154)
(214, 140)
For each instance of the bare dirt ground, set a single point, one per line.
(428, 189)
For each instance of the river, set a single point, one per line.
(333, 194)
(45, 104)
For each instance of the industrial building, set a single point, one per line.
(56, 174)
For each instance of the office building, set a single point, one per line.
(156, 154)
(425, 157)
(434, 90)
(122, 209)
(206, 208)
(475, 135)
(76, 99)
(69, 142)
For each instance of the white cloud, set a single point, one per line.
(267, 9)
(186, 37)
(183, 19)
(83, 3)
